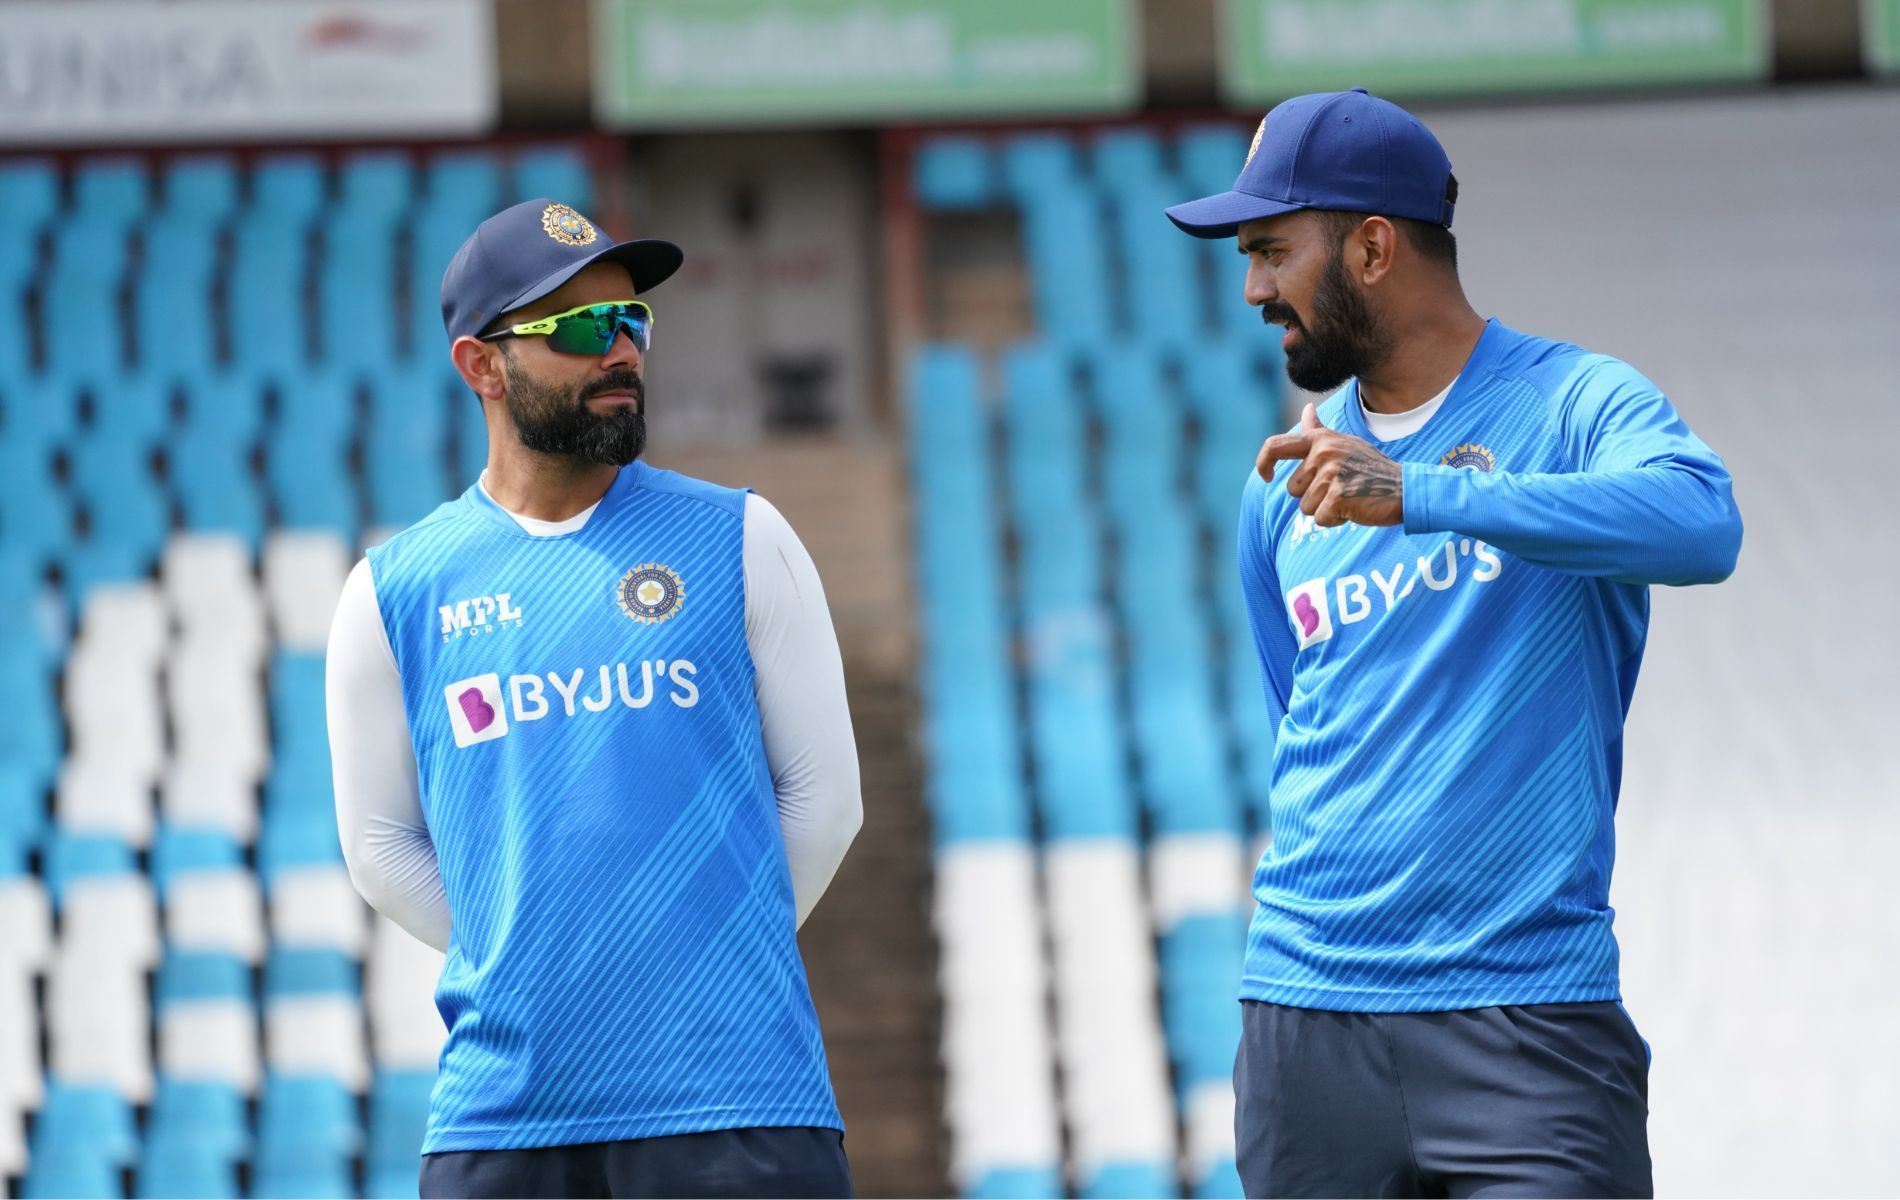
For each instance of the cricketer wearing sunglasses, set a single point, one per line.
(589, 738)
(1446, 568)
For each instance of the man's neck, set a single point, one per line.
(1426, 357)
(545, 487)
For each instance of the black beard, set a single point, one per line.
(552, 421)
(1342, 341)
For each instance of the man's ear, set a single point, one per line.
(479, 365)
(1376, 240)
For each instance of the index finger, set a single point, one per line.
(1282, 447)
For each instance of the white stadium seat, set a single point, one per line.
(102, 794)
(1208, 1126)
(216, 910)
(1197, 874)
(28, 920)
(318, 906)
(399, 990)
(112, 704)
(129, 621)
(303, 576)
(217, 705)
(1000, 1084)
(211, 589)
(317, 1035)
(98, 1021)
(111, 919)
(20, 1066)
(209, 793)
(214, 1040)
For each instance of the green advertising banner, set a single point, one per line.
(1271, 49)
(1880, 35)
(682, 62)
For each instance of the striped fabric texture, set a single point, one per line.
(623, 962)
(1447, 711)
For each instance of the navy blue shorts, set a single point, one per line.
(794, 1161)
(1532, 1100)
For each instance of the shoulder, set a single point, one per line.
(657, 481)
(448, 522)
(1563, 371)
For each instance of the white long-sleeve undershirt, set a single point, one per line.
(803, 718)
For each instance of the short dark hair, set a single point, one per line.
(1434, 242)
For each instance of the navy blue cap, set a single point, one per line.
(1349, 151)
(522, 253)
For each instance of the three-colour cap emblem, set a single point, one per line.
(1472, 455)
(566, 226)
(651, 593)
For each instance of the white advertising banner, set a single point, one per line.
(79, 71)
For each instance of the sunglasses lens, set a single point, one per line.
(592, 331)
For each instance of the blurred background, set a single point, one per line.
(932, 310)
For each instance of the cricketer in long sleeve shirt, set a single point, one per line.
(1446, 698)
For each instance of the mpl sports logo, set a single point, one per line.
(480, 707)
(1312, 607)
(477, 615)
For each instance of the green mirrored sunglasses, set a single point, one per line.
(589, 329)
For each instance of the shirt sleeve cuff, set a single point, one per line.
(1426, 490)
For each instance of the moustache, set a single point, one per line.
(617, 381)
(1279, 314)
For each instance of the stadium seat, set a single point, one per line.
(71, 1171)
(398, 1117)
(212, 592)
(201, 188)
(179, 1166)
(173, 319)
(1210, 158)
(376, 183)
(292, 1171)
(217, 711)
(317, 906)
(29, 191)
(207, 1114)
(113, 709)
(20, 1059)
(86, 1117)
(954, 174)
(400, 975)
(313, 1018)
(209, 794)
(288, 188)
(216, 490)
(110, 191)
(303, 576)
(207, 1023)
(1000, 1088)
(125, 508)
(557, 172)
(270, 329)
(104, 795)
(356, 282)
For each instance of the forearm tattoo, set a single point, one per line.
(1367, 474)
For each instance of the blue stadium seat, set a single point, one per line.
(1219, 1182)
(204, 1114)
(84, 338)
(173, 319)
(398, 1118)
(308, 1110)
(1017, 1183)
(110, 192)
(200, 189)
(1200, 959)
(1063, 236)
(71, 857)
(1163, 269)
(29, 192)
(299, 814)
(300, 1172)
(954, 174)
(127, 511)
(1134, 1180)
(356, 297)
(439, 232)
(71, 1171)
(23, 819)
(468, 180)
(1127, 157)
(287, 190)
(376, 183)
(269, 328)
(179, 1166)
(310, 971)
(181, 850)
(471, 439)
(88, 1118)
(136, 410)
(406, 450)
(40, 412)
(32, 738)
(225, 409)
(199, 975)
(211, 473)
(558, 172)
(1210, 157)
(1081, 778)
(1035, 163)
(308, 454)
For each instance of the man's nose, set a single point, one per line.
(623, 352)
(1261, 287)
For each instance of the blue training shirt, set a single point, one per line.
(1447, 698)
(623, 961)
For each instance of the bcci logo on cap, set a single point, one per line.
(651, 593)
(566, 226)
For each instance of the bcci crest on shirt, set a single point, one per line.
(1472, 455)
(651, 593)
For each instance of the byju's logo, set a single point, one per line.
(1306, 605)
(479, 614)
(476, 711)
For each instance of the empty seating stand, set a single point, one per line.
(1096, 772)
(216, 373)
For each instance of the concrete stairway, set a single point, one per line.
(869, 947)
